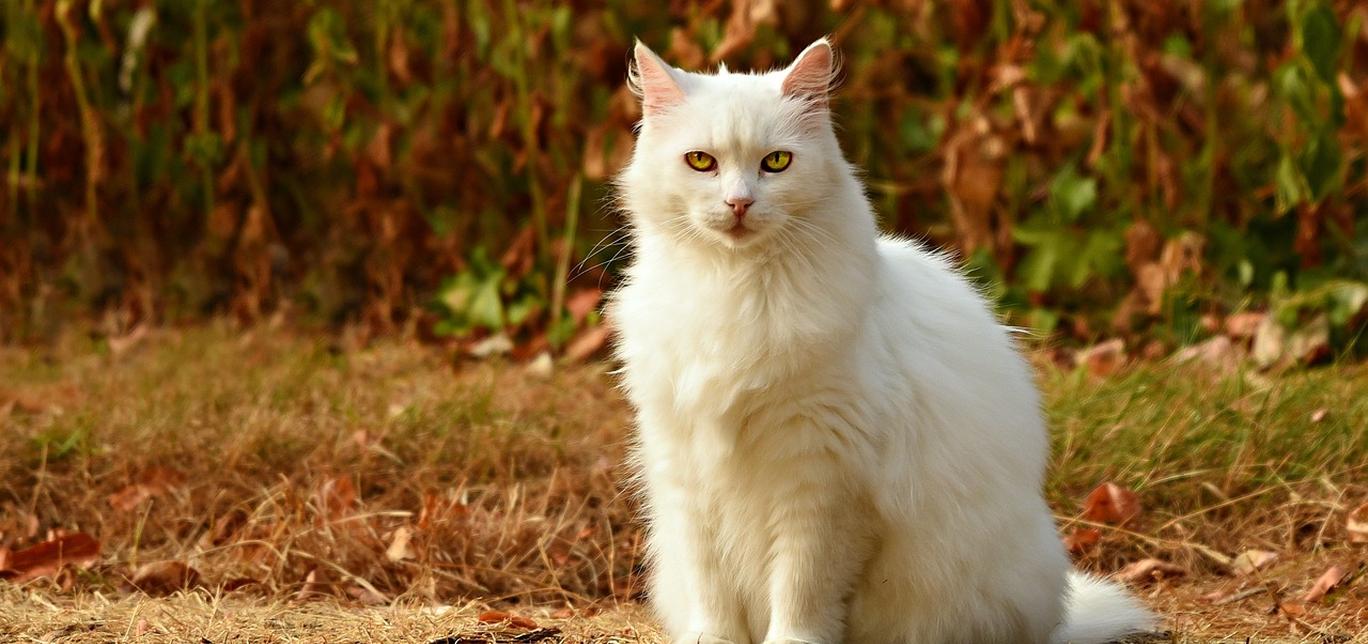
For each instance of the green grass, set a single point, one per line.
(1161, 428)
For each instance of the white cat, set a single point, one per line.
(836, 439)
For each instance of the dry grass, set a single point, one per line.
(284, 468)
(203, 617)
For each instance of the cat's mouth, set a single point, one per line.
(739, 231)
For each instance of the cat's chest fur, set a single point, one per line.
(712, 342)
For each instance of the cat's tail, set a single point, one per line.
(1098, 611)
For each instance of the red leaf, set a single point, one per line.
(50, 556)
(1110, 503)
(1081, 540)
(1357, 524)
(163, 577)
(336, 497)
(154, 481)
(583, 302)
(500, 617)
(588, 343)
(1147, 570)
(1332, 577)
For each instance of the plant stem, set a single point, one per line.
(90, 131)
(572, 207)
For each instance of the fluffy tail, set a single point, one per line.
(1097, 611)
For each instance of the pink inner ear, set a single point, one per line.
(810, 75)
(659, 91)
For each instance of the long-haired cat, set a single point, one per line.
(837, 441)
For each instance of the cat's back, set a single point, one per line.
(939, 339)
(930, 298)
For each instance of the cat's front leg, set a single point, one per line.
(691, 589)
(695, 594)
(819, 544)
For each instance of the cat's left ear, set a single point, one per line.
(810, 75)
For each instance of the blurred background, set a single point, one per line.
(1157, 172)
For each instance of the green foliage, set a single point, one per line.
(164, 160)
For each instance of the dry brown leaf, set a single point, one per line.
(50, 556)
(1151, 282)
(583, 302)
(1081, 540)
(972, 176)
(501, 617)
(314, 584)
(399, 545)
(165, 577)
(119, 345)
(1147, 570)
(1333, 576)
(1252, 561)
(366, 596)
(238, 583)
(1357, 524)
(1217, 353)
(152, 482)
(1103, 359)
(1292, 608)
(336, 497)
(1243, 326)
(587, 344)
(1111, 503)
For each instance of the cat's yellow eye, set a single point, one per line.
(700, 161)
(776, 161)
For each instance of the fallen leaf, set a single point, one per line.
(118, 345)
(48, 557)
(238, 583)
(1357, 524)
(336, 497)
(1269, 341)
(1147, 570)
(588, 343)
(399, 545)
(153, 482)
(1111, 503)
(1081, 540)
(542, 367)
(366, 596)
(500, 617)
(164, 577)
(1252, 561)
(1311, 342)
(1218, 354)
(314, 585)
(583, 302)
(491, 346)
(1292, 608)
(1332, 577)
(1103, 359)
(1243, 326)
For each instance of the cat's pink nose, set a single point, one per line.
(739, 205)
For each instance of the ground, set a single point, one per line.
(269, 485)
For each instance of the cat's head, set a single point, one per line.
(731, 159)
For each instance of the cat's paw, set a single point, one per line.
(789, 640)
(701, 638)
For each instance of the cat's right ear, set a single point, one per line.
(654, 81)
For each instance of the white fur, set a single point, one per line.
(837, 441)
